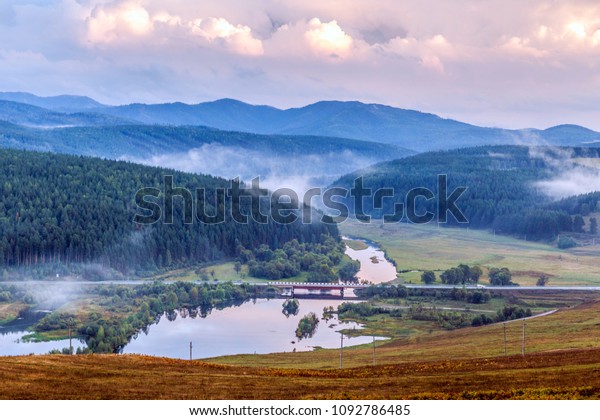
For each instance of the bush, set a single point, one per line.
(566, 242)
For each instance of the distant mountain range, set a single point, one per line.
(38, 117)
(63, 103)
(408, 129)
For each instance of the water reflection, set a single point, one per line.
(254, 327)
(12, 343)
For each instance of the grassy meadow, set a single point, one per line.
(427, 247)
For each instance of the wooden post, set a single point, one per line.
(341, 349)
(504, 325)
(374, 358)
(523, 346)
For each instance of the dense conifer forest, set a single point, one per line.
(60, 209)
(501, 181)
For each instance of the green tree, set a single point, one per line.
(453, 275)
(475, 274)
(500, 276)
(348, 270)
(307, 326)
(428, 277)
(100, 334)
(578, 224)
(593, 226)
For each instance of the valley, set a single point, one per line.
(441, 308)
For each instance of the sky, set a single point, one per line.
(503, 63)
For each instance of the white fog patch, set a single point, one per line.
(297, 172)
(572, 182)
(570, 178)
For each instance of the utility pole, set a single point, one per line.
(504, 325)
(341, 349)
(374, 358)
(190, 350)
(523, 346)
(70, 325)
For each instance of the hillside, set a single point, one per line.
(144, 141)
(285, 160)
(59, 210)
(501, 187)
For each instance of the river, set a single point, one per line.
(374, 267)
(253, 327)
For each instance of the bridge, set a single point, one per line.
(288, 289)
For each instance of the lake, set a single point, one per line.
(253, 327)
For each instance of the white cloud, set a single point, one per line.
(522, 46)
(118, 20)
(328, 38)
(237, 38)
(126, 21)
(429, 53)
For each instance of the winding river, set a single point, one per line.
(374, 267)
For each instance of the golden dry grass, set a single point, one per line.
(565, 374)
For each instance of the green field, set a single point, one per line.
(427, 247)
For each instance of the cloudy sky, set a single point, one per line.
(508, 63)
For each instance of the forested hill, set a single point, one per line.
(66, 209)
(502, 191)
(145, 141)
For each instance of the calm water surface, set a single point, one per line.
(254, 327)
(11, 343)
